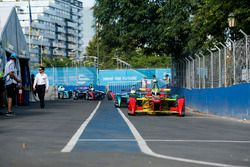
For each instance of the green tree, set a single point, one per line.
(56, 62)
(173, 28)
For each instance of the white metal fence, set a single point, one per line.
(224, 65)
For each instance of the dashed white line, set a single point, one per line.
(145, 149)
(72, 142)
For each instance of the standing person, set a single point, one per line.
(144, 82)
(11, 80)
(167, 79)
(41, 84)
(154, 82)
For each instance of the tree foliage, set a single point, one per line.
(141, 31)
(57, 62)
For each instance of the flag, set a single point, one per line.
(30, 16)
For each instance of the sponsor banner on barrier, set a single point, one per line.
(79, 76)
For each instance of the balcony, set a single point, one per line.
(72, 32)
(60, 29)
(44, 18)
(71, 24)
(70, 46)
(55, 5)
(58, 45)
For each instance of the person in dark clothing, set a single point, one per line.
(11, 80)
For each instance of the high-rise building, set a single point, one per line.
(88, 27)
(52, 27)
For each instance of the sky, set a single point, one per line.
(88, 3)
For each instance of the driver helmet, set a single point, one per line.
(132, 91)
(13, 56)
(61, 88)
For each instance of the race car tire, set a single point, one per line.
(60, 95)
(131, 114)
(109, 96)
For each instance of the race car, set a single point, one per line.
(121, 98)
(92, 94)
(155, 100)
(110, 95)
(63, 93)
(80, 92)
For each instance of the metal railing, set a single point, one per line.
(223, 65)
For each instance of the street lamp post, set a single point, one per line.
(233, 49)
(232, 23)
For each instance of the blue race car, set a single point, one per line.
(121, 98)
(80, 92)
(63, 93)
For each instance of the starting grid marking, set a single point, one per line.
(141, 142)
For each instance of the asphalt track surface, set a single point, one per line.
(96, 134)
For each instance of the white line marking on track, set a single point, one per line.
(72, 142)
(201, 141)
(162, 140)
(107, 140)
(145, 149)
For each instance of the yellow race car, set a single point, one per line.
(155, 100)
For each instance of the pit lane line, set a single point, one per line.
(138, 138)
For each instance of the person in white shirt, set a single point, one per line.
(41, 84)
(11, 80)
(144, 82)
(167, 79)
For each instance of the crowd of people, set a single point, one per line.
(145, 82)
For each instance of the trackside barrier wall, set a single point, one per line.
(68, 76)
(115, 80)
(230, 101)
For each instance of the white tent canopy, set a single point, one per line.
(12, 38)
